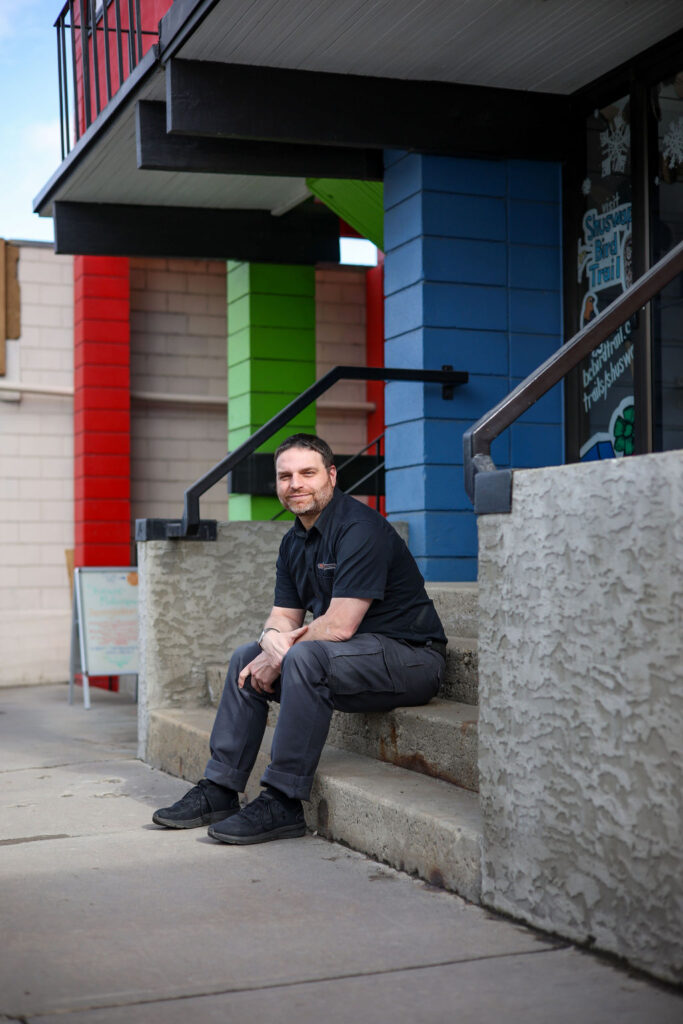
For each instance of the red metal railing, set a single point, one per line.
(99, 43)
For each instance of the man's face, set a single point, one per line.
(304, 485)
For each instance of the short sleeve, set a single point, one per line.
(286, 595)
(362, 554)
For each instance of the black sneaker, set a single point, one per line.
(203, 804)
(265, 818)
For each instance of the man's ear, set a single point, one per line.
(333, 475)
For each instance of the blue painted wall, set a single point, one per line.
(473, 279)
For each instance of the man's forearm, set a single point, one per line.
(340, 621)
(326, 627)
(282, 622)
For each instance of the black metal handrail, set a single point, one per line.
(490, 489)
(84, 20)
(192, 527)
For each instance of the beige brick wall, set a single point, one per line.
(178, 347)
(36, 473)
(340, 340)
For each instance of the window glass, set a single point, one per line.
(667, 231)
(604, 269)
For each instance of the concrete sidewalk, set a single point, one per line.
(107, 918)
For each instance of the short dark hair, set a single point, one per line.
(311, 441)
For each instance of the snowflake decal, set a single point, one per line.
(615, 142)
(586, 186)
(672, 148)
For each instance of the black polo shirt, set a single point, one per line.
(352, 551)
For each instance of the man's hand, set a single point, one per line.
(276, 644)
(262, 673)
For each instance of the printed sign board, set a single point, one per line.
(105, 624)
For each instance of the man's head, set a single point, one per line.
(305, 476)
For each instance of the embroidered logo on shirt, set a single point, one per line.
(327, 565)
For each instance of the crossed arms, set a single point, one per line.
(340, 622)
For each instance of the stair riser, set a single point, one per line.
(460, 681)
(457, 605)
(461, 677)
(431, 748)
(443, 750)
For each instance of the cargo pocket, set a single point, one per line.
(359, 666)
(412, 669)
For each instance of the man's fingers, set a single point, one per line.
(296, 633)
(244, 674)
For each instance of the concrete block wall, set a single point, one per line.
(178, 346)
(340, 340)
(36, 476)
(581, 706)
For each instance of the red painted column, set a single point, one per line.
(101, 411)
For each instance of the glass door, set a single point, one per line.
(667, 231)
(606, 407)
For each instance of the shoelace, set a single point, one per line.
(262, 803)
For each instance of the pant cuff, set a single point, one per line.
(225, 776)
(298, 787)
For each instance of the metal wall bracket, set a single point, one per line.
(493, 492)
(171, 529)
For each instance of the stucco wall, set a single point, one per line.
(198, 601)
(581, 694)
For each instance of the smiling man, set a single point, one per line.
(375, 643)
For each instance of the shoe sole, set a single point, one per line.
(205, 819)
(284, 832)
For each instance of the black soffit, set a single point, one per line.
(158, 150)
(236, 101)
(307, 234)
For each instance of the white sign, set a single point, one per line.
(108, 619)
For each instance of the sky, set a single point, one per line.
(29, 114)
(29, 122)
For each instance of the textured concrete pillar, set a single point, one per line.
(473, 280)
(271, 358)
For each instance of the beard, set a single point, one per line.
(309, 504)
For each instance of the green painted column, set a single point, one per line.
(271, 358)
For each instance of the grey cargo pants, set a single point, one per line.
(369, 672)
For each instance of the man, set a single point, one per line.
(375, 643)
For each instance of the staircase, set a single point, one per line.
(401, 786)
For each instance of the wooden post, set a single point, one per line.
(3, 308)
(10, 318)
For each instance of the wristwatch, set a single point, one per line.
(266, 629)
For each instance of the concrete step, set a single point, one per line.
(417, 824)
(457, 605)
(439, 739)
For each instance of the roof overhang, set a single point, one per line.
(241, 101)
